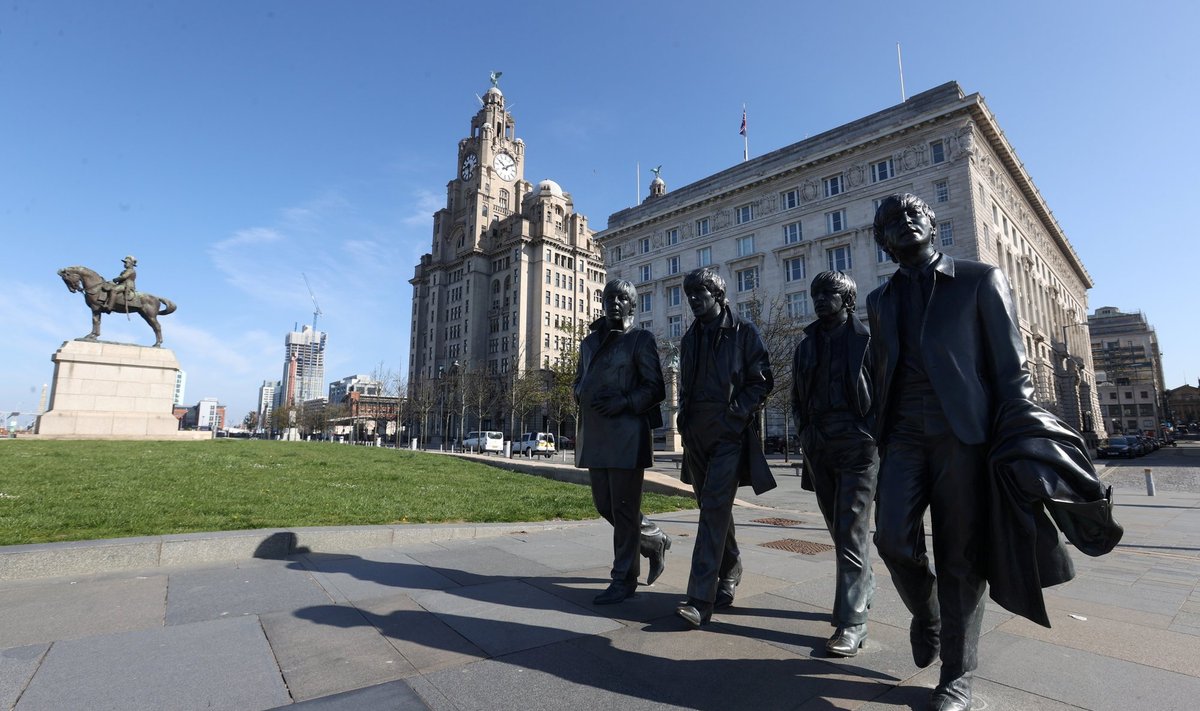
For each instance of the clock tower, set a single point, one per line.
(512, 270)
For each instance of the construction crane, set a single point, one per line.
(316, 306)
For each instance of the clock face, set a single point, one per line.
(468, 166)
(505, 165)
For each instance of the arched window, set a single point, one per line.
(503, 201)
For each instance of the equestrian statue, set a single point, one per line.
(116, 296)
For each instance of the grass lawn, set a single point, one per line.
(81, 490)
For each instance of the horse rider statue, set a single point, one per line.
(124, 283)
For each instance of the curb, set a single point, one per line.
(49, 560)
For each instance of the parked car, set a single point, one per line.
(1119, 446)
(484, 441)
(536, 443)
(565, 442)
(774, 444)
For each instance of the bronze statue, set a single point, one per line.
(725, 374)
(831, 401)
(953, 424)
(116, 296)
(618, 387)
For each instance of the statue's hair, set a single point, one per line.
(620, 285)
(898, 203)
(841, 282)
(708, 278)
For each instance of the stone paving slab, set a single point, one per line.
(479, 564)
(509, 616)
(213, 593)
(66, 609)
(373, 573)
(222, 664)
(421, 637)
(17, 666)
(327, 653)
(1088, 680)
(392, 696)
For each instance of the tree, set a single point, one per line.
(250, 421)
(780, 332)
(561, 401)
(422, 399)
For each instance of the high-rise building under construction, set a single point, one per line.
(303, 366)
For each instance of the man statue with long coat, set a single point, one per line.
(725, 373)
(831, 401)
(619, 387)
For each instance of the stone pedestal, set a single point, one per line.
(112, 391)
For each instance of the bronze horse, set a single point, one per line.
(148, 306)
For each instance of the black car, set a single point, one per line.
(774, 444)
(1119, 446)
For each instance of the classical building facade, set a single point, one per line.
(772, 223)
(512, 268)
(1183, 406)
(1129, 370)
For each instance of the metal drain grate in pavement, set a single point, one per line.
(796, 545)
(778, 521)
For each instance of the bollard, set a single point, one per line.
(1149, 481)
(413, 444)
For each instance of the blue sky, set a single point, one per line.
(232, 146)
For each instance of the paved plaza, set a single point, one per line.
(475, 617)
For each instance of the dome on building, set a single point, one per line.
(494, 90)
(549, 187)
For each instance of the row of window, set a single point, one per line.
(795, 306)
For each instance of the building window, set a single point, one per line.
(937, 152)
(1145, 395)
(789, 199)
(839, 259)
(702, 227)
(746, 311)
(745, 246)
(793, 269)
(645, 325)
(792, 233)
(1112, 396)
(675, 326)
(647, 272)
(747, 279)
(743, 214)
(941, 191)
(503, 201)
(797, 305)
(882, 170)
(547, 276)
(672, 237)
(673, 296)
(881, 256)
(646, 301)
(833, 185)
(835, 221)
(644, 245)
(704, 257)
(547, 298)
(673, 265)
(946, 232)
(614, 255)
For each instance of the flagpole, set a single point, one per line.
(900, 64)
(637, 198)
(745, 137)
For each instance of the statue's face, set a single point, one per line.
(618, 306)
(908, 233)
(828, 303)
(704, 303)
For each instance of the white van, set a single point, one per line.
(536, 443)
(484, 441)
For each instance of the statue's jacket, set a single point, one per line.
(1038, 471)
(625, 363)
(1040, 477)
(857, 372)
(743, 367)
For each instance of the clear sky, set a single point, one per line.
(233, 145)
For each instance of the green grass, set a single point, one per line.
(70, 491)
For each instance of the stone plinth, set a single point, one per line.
(112, 391)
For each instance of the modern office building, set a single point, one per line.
(180, 387)
(1128, 370)
(303, 366)
(511, 266)
(771, 223)
(364, 384)
(268, 400)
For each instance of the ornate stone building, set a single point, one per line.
(512, 267)
(772, 223)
